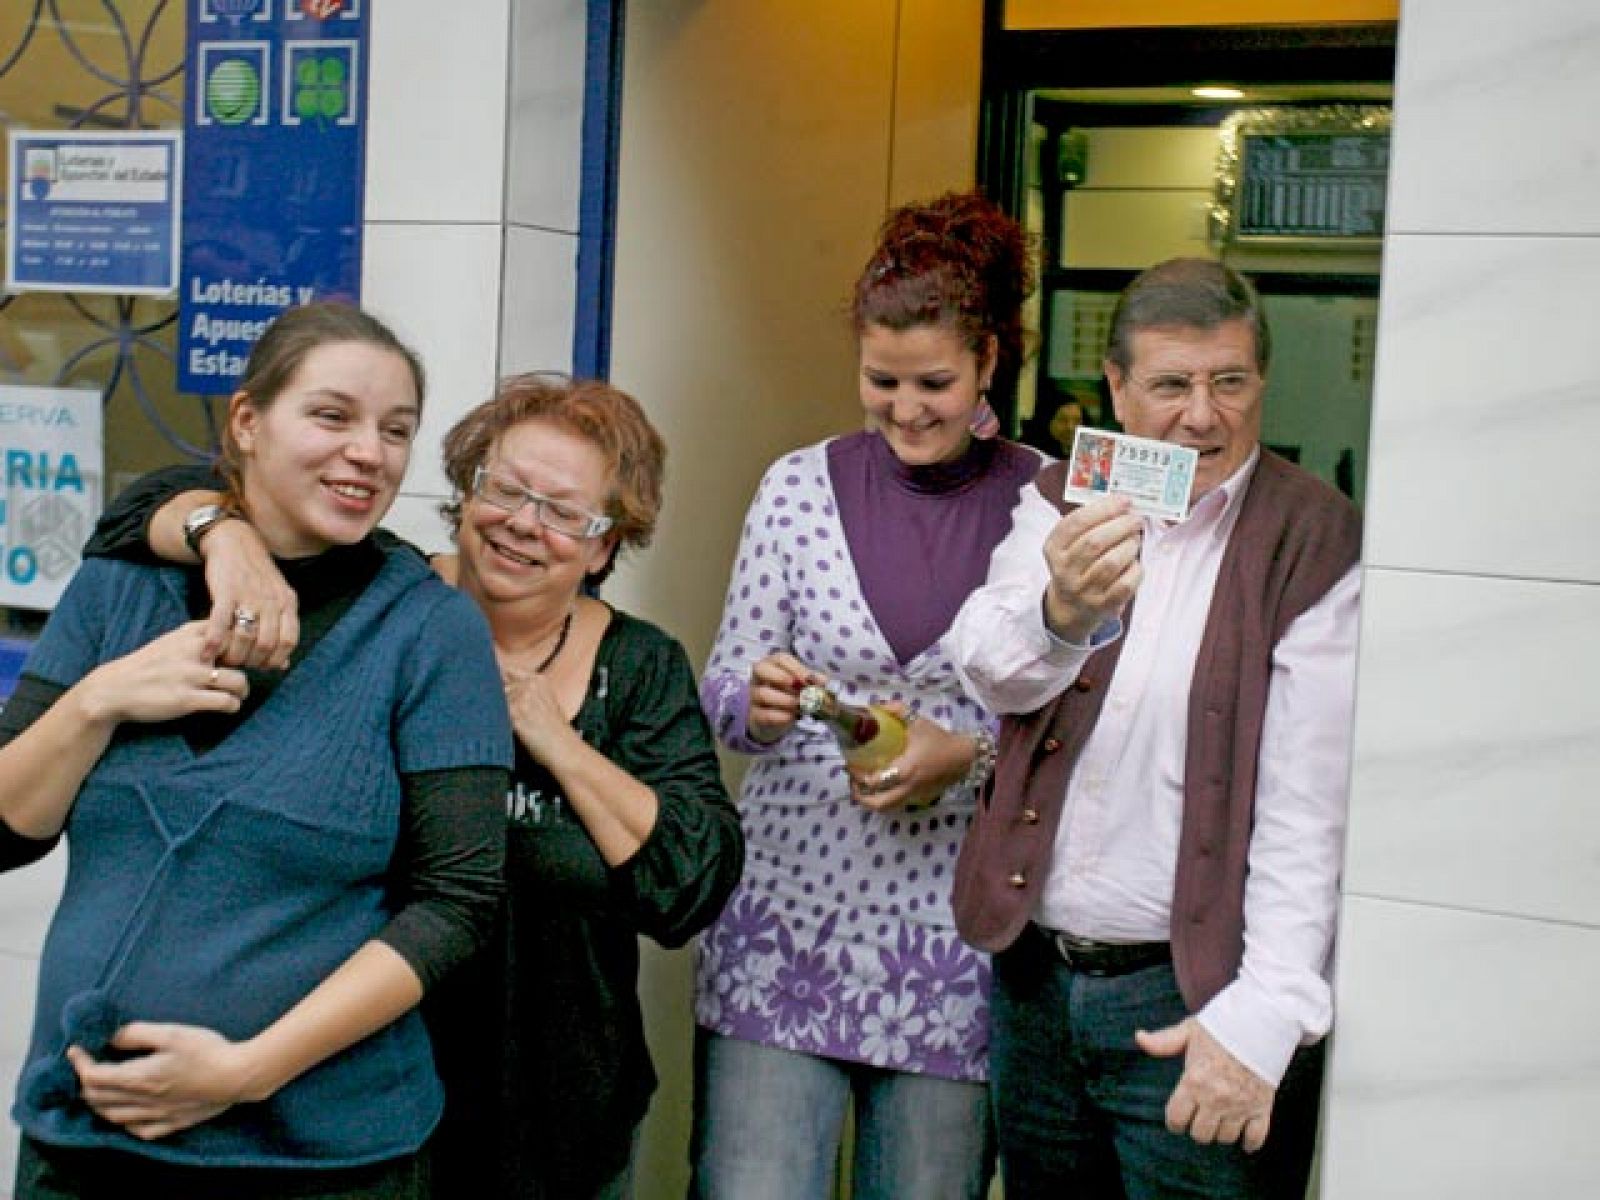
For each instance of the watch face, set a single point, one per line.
(200, 520)
(199, 516)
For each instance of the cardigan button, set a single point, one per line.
(1082, 683)
(1052, 744)
(1030, 816)
(1018, 880)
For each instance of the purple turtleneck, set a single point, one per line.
(920, 537)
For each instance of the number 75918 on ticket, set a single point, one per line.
(1157, 477)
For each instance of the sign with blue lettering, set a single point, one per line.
(274, 159)
(93, 212)
(51, 448)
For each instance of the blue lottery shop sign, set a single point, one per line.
(274, 165)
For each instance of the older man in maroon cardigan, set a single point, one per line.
(1156, 864)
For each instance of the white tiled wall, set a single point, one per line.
(1478, 762)
(436, 133)
(544, 153)
(537, 314)
(439, 284)
(1495, 105)
(1484, 407)
(547, 39)
(436, 201)
(1466, 1062)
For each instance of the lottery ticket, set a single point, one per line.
(1156, 476)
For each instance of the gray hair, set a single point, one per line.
(1192, 293)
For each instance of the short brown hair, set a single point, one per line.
(1192, 293)
(285, 345)
(611, 419)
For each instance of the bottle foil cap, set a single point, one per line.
(813, 699)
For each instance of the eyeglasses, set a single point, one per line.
(1226, 388)
(559, 515)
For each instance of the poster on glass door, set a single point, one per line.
(52, 450)
(93, 212)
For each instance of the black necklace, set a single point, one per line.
(561, 640)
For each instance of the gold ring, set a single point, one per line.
(244, 618)
(212, 681)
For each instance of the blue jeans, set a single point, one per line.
(1081, 1110)
(768, 1123)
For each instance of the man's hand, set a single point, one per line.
(1219, 1099)
(1093, 558)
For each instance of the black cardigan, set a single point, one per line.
(541, 1044)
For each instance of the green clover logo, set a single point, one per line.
(320, 88)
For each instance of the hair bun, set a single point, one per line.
(957, 260)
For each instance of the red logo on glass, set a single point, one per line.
(321, 10)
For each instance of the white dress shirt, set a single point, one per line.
(1113, 865)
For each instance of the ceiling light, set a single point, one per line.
(1217, 92)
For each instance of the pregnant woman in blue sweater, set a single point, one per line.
(267, 868)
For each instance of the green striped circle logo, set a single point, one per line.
(233, 92)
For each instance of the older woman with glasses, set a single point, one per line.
(618, 822)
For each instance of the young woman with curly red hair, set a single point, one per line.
(835, 974)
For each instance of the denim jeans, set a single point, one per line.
(1081, 1110)
(768, 1123)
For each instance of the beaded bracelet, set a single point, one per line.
(982, 759)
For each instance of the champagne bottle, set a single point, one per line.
(870, 736)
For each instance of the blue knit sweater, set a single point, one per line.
(219, 890)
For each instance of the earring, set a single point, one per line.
(984, 424)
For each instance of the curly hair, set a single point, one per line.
(956, 260)
(612, 420)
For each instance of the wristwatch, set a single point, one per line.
(200, 522)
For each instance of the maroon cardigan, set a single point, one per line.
(1294, 539)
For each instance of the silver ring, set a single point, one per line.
(212, 681)
(887, 778)
(243, 618)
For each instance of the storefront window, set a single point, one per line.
(93, 65)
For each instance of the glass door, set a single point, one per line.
(1121, 148)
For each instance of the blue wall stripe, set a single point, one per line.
(597, 195)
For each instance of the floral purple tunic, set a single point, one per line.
(839, 940)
